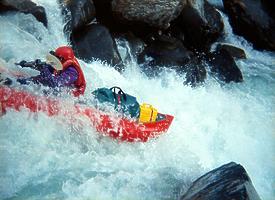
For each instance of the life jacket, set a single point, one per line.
(80, 83)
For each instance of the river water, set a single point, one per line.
(45, 158)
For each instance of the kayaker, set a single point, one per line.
(60, 70)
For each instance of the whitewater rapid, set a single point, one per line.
(46, 158)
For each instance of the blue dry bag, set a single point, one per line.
(121, 101)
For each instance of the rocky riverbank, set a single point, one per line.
(183, 35)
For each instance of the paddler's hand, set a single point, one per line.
(22, 63)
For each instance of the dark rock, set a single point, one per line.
(269, 6)
(129, 46)
(168, 52)
(104, 13)
(200, 28)
(137, 45)
(78, 13)
(250, 20)
(95, 41)
(25, 6)
(155, 13)
(175, 31)
(224, 67)
(195, 72)
(140, 17)
(227, 182)
(235, 52)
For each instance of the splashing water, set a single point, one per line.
(47, 158)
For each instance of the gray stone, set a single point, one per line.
(253, 20)
(201, 24)
(25, 6)
(227, 182)
(155, 13)
(223, 65)
(96, 42)
(235, 52)
(78, 13)
(168, 52)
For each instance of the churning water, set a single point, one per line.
(47, 158)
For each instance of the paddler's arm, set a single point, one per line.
(40, 66)
(65, 78)
(37, 65)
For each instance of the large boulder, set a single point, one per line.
(227, 182)
(129, 47)
(269, 6)
(235, 52)
(136, 44)
(104, 13)
(167, 52)
(251, 19)
(201, 24)
(142, 17)
(25, 6)
(96, 42)
(78, 13)
(224, 67)
(155, 13)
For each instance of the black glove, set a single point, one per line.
(22, 63)
(38, 62)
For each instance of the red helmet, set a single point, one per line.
(64, 53)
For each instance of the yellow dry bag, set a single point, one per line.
(147, 113)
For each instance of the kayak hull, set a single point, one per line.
(121, 128)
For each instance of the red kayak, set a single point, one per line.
(122, 128)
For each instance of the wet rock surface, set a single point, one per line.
(155, 13)
(201, 25)
(96, 42)
(78, 14)
(27, 7)
(235, 52)
(227, 182)
(224, 67)
(167, 52)
(253, 20)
